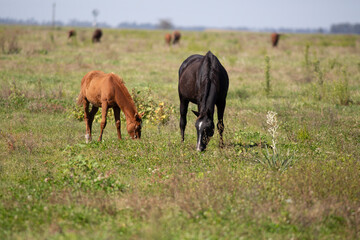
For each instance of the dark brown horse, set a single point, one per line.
(97, 35)
(205, 82)
(176, 37)
(168, 38)
(275, 39)
(108, 91)
(71, 33)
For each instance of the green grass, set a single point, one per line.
(54, 186)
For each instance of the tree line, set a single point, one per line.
(346, 28)
(343, 28)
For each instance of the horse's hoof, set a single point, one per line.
(200, 149)
(87, 138)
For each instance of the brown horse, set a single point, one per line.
(176, 36)
(108, 91)
(275, 39)
(97, 35)
(71, 34)
(168, 38)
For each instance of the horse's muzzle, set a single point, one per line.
(200, 147)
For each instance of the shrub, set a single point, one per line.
(153, 111)
(9, 43)
(77, 112)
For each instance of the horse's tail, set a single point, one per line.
(80, 99)
(207, 74)
(214, 64)
(206, 68)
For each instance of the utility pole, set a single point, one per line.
(95, 13)
(53, 14)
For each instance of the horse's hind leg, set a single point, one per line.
(89, 118)
(104, 110)
(220, 125)
(117, 121)
(183, 111)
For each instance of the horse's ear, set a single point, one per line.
(196, 113)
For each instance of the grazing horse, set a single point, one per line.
(168, 38)
(275, 39)
(205, 82)
(97, 35)
(108, 91)
(71, 34)
(176, 36)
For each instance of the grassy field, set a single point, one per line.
(300, 181)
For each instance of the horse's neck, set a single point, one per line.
(129, 114)
(126, 105)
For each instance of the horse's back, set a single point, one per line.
(195, 69)
(187, 78)
(98, 86)
(189, 61)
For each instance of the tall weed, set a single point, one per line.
(274, 159)
(341, 93)
(318, 86)
(267, 75)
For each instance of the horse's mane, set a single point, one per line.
(208, 75)
(121, 86)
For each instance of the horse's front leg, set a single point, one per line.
(183, 111)
(104, 110)
(220, 125)
(89, 118)
(117, 120)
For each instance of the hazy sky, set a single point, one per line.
(208, 13)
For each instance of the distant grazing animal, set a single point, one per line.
(71, 34)
(205, 82)
(168, 38)
(97, 35)
(108, 91)
(176, 37)
(275, 39)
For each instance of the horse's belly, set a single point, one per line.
(94, 101)
(93, 96)
(188, 95)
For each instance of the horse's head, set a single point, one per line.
(134, 127)
(205, 130)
